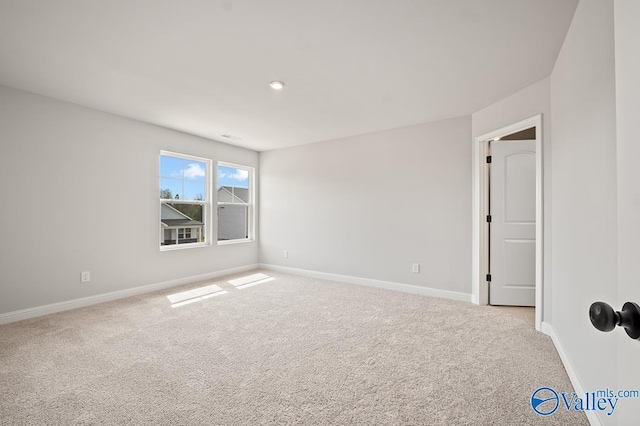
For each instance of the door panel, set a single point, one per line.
(513, 227)
(520, 263)
(520, 185)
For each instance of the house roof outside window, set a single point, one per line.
(231, 194)
(170, 217)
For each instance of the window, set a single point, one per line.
(185, 201)
(184, 233)
(235, 203)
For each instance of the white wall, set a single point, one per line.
(528, 102)
(371, 205)
(627, 35)
(80, 192)
(584, 191)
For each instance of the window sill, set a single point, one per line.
(228, 242)
(173, 247)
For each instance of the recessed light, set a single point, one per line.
(496, 139)
(276, 85)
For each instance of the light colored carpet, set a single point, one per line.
(288, 351)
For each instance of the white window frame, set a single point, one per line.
(206, 203)
(250, 205)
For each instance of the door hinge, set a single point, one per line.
(488, 158)
(489, 277)
(489, 218)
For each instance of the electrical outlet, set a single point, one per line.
(415, 268)
(286, 253)
(85, 277)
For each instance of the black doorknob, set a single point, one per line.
(604, 318)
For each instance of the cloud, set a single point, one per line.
(237, 174)
(194, 171)
(241, 175)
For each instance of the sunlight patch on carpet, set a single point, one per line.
(253, 278)
(266, 280)
(195, 295)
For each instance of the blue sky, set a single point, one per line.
(187, 177)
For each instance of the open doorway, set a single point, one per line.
(530, 215)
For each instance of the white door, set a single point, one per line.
(512, 252)
(627, 16)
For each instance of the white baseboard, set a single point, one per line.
(571, 372)
(120, 294)
(406, 288)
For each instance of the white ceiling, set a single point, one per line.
(350, 66)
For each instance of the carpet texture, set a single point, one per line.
(287, 351)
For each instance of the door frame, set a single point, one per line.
(480, 228)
